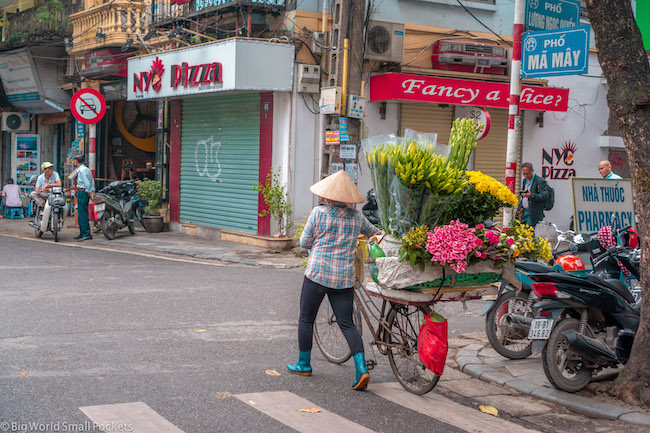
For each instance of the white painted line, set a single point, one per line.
(284, 406)
(116, 250)
(445, 410)
(134, 417)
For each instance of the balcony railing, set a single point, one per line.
(109, 25)
(165, 11)
(25, 27)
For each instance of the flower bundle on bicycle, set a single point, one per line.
(437, 209)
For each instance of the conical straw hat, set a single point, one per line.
(338, 187)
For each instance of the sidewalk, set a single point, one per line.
(477, 358)
(168, 242)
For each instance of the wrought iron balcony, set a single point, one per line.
(168, 11)
(31, 27)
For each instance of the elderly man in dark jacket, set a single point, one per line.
(534, 193)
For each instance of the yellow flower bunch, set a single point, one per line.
(544, 249)
(527, 245)
(487, 184)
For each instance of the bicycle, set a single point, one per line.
(395, 333)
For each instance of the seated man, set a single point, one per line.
(47, 179)
(10, 196)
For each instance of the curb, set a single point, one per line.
(225, 257)
(469, 363)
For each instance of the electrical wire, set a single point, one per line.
(481, 23)
(307, 105)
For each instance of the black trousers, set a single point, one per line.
(341, 301)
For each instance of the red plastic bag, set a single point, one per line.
(432, 343)
(92, 215)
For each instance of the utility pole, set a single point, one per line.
(513, 110)
(345, 66)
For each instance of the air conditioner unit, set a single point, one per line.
(317, 42)
(385, 42)
(15, 122)
(452, 55)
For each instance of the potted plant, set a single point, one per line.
(150, 191)
(275, 196)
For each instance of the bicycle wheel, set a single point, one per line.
(402, 341)
(508, 340)
(329, 338)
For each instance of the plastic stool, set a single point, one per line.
(13, 213)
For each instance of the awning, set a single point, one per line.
(31, 83)
(407, 87)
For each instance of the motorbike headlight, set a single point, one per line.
(579, 239)
(57, 190)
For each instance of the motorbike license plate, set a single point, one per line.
(100, 207)
(540, 329)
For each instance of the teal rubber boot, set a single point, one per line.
(303, 367)
(362, 378)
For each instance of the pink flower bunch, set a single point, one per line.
(492, 237)
(452, 244)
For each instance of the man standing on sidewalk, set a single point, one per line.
(85, 191)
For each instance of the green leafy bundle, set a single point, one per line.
(414, 247)
(462, 142)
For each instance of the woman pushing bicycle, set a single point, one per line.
(330, 235)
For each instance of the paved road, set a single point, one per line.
(88, 334)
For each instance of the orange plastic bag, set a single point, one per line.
(432, 343)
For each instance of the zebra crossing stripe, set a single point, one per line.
(284, 405)
(445, 410)
(134, 417)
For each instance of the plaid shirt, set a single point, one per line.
(331, 234)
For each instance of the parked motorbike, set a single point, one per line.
(118, 206)
(370, 210)
(50, 217)
(584, 323)
(509, 315)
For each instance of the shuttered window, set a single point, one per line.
(220, 138)
(427, 117)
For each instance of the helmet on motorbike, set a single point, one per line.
(572, 265)
(628, 238)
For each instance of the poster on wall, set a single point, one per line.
(26, 158)
(602, 202)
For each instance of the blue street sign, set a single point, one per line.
(557, 52)
(552, 14)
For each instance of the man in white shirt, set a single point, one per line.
(10, 196)
(40, 194)
(605, 169)
(48, 178)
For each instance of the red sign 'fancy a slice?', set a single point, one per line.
(406, 87)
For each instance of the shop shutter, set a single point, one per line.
(425, 117)
(220, 138)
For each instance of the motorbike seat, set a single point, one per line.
(617, 286)
(533, 267)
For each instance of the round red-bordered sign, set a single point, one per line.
(482, 116)
(88, 106)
